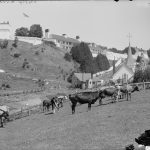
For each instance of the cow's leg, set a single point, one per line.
(73, 107)
(2, 125)
(127, 95)
(100, 101)
(130, 96)
(89, 106)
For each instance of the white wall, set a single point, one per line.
(5, 34)
(32, 40)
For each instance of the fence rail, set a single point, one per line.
(24, 112)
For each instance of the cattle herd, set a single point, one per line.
(86, 97)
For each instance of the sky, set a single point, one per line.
(103, 22)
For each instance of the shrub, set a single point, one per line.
(4, 44)
(15, 44)
(67, 57)
(16, 55)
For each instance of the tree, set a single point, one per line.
(15, 44)
(68, 57)
(22, 31)
(36, 31)
(46, 33)
(3, 44)
(138, 60)
(102, 62)
(82, 54)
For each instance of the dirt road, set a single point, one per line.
(106, 127)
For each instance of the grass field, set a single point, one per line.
(106, 127)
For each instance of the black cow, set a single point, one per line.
(84, 98)
(3, 115)
(144, 138)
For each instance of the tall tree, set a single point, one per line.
(82, 54)
(102, 62)
(36, 31)
(22, 31)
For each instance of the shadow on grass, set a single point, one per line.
(50, 113)
(109, 101)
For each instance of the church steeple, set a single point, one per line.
(130, 62)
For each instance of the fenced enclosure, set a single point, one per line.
(29, 110)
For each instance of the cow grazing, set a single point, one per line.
(51, 101)
(84, 98)
(61, 100)
(4, 114)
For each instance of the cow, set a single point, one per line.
(4, 114)
(61, 100)
(51, 101)
(128, 89)
(144, 139)
(112, 91)
(89, 98)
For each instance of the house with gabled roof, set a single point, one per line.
(81, 80)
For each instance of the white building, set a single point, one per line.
(5, 30)
(62, 41)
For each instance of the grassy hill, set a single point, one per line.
(41, 61)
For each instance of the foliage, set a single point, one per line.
(148, 53)
(3, 44)
(67, 57)
(46, 30)
(15, 44)
(16, 55)
(138, 59)
(69, 79)
(142, 75)
(36, 31)
(82, 54)
(102, 62)
(126, 50)
(22, 31)
(25, 64)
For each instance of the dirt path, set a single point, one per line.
(106, 127)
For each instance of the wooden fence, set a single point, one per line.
(24, 112)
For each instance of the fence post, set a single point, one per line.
(143, 85)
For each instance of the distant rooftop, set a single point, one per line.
(63, 38)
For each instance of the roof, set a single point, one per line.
(83, 76)
(130, 62)
(108, 75)
(62, 38)
(124, 65)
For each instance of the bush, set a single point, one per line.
(22, 31)
(36, 31)
(4, 44)
(142, 75)
(67, 57)
(15, 44)
(16, 55)
(25, 64)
